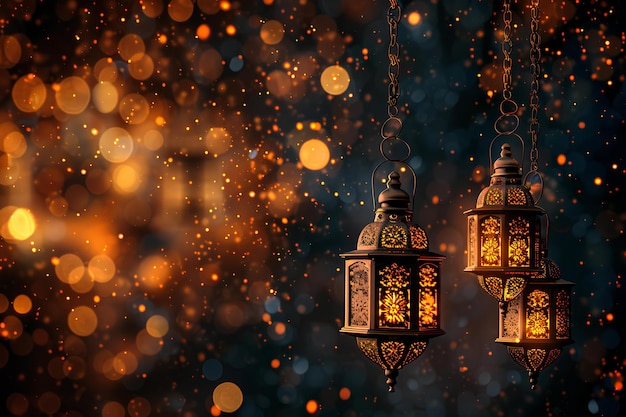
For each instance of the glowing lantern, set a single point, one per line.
(392, 285)
(537, 324)
(504, 233)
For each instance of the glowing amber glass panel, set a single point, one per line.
(494, 197)
(519, 242)
(537, 315)
(516, 197)
(359, 294)
(393, 236)
(511, 320)
(419, 239)
(394, 296)
(513, 287)
(471, 243)
(490, 241)
(428, 308)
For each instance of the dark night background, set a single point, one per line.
(238, 246)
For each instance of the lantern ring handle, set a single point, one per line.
(527, 180)
(387, 141)
(391, 128)
(499, 136)
(409, 167)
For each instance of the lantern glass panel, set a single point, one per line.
(394, 296)
(538, 315)
(516, 197)
(419, 239)
(359, 293)
(428, 293)
(490, 241)
(519, 242)
(393, 236)
(510, 327)
(471, 244)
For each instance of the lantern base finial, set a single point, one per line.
(391, 375)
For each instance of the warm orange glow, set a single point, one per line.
(414, 18)
(561, 159)
(597, 181)
(312, 407)
(344, 393)
(203, 32)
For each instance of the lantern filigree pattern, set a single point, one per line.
(419, 240)
(537, 324)
(490, 242)
(428, 297)
(504, 233)
(393, 236)
(395, 296)
(537, 315)
(359, 290)
(392, 285)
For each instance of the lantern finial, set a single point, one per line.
(506, 166)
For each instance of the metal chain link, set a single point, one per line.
(393, 52)
(535, 69)
(507, 47)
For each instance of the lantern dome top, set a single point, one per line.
(506, 188)
(393, 227)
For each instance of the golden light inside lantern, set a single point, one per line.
(537, 324)
(392, 286)
(504, 233)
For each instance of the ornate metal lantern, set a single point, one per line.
(537, 324)
(392, 285)
(504, 233)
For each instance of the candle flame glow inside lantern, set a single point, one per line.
(392, 284)
(504, 233)
(537, 324)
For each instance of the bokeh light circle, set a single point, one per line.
(116, 145)
(272, 32)
(82, 321)
(72, 95)
(228, 397)
(29, 93)
(335, 80)
(314, 154)
(69, 268)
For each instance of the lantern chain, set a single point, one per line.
(535, 69)
(393, 53)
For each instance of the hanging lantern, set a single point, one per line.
(504, 233)
(392, 285)
(537, 324)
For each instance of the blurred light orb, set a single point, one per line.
(153, 139)
(22, 304)
(105, 97)
(218, 140)
(314, 154)
(272, 32)
(69, 268)
(20, 226)
(72, 95)
(113, 409)
(141, 67)
(82, 321)
(131, 45)
(116, 145)
(180, 10)
(228, 397)
(126, 179)
(157, 326)
(335, 80)
(10, 51)
(12, 142)
(29, 93)
(134, 109)
(101, 268)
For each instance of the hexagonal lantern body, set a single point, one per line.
(537, 324)
(504, 233)
(392, 285)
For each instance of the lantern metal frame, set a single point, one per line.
(537, 324)
(392, 286)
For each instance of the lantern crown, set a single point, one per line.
(393, 226)
(506, 188)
